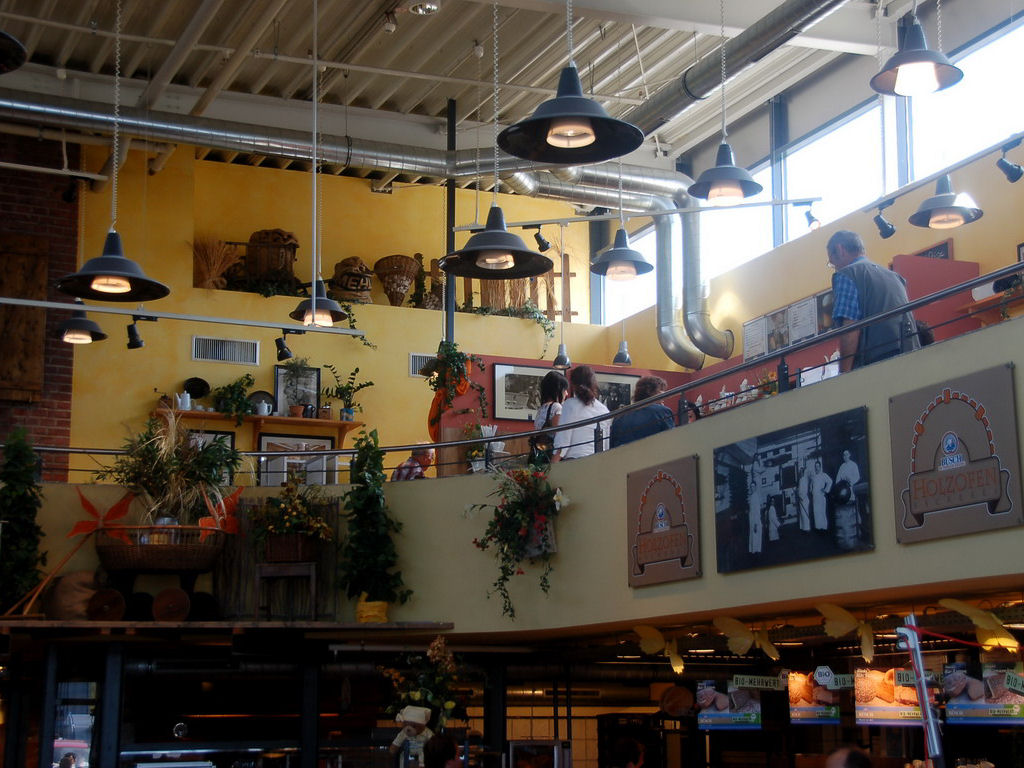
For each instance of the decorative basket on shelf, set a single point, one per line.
(160, 548)
(371, 611)
(396, 273)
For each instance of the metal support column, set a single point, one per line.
(46, 719)
(778, 129)
(107, 748)
(449, 224)
(495, 705)
(309, 729)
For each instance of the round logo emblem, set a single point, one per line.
(950, 442)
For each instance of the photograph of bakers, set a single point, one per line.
(795, 494)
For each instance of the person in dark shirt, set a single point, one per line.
(645, 421)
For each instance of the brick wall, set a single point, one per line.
(31, 203)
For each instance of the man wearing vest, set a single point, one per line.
(860, 289)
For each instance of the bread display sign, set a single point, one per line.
(886, 697)
(732, 709)
(955, 464)
(810, 702)
(989, 695)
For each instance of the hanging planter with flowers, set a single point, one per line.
(448, 375)
(521, 527)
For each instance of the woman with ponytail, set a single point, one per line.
(578, 442)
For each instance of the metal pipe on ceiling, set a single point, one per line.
(753, 44)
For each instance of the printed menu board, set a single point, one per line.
(787, 325)
(886, 697)
(993, 698)
(814, 703)
(736, 709)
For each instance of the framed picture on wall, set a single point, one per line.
(206, 437)
(303, 389)
(1020, 251)
(517, 391)
(616, 389)
(311, 470)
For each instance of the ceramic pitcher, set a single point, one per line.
(183, 401)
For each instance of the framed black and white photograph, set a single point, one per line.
(311, 470)
(799, 493)
(616, 389)
(1020, 251)
(206, 437)
(289, 390)
(517, 391)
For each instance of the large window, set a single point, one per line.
(979, 111)
(842, 166)
(734, 236)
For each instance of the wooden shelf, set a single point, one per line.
(293, 423)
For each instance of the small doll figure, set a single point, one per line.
(414, 730)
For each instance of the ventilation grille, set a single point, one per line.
(240, 351)
(417, 361)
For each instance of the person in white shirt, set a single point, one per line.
(848, 471)
(579, 442)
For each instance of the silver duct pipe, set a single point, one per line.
(343, 151)
(672, 334)
(753, 44)
(696, 317)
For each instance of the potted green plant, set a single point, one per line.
(521, 527)
(233, 399)
(368, 557)
(20, 500)
(291, 526)
(345, 391)
(295, 379)
(172, 471)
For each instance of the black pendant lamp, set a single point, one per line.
(726, 183)
(562, 358)
(620, 262)
(495, 253)
(12, 53)
(79, 329)
(622, 356)
(915, 69)
(570, 129)
(946, 209)
(319, 310)
(112, 277)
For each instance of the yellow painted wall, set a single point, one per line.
(159, 217)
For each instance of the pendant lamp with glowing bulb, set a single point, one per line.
(915, 69)
(495, 253)
(726, 183)
(319, 310)
(111, 276)
(946, 209)
(620, 262)
(570, 128)
(79, 329)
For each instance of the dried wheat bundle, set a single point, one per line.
(517, 293)
(211, 258)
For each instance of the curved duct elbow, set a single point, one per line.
(696, 318)
(671, 331)
(522, 183)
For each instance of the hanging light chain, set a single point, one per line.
(721, 17)
(116, 159)
(622, 218)
(494, 193)
(938, 24)
(316, 186)
(568, 26)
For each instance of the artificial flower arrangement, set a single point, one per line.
(521, 527)
(472, 431)
(297, 509)
(768, 381)
(429, 681)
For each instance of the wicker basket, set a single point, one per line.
(160, 548)
(371, 611)
(396, 273)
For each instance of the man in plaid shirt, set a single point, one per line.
(860, 289)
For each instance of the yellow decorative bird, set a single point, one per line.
(653, 642)
(839, 622)
(988, 628)
(741, 637)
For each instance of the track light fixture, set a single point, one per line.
(78, 329)
(885, 227)
(946, 209)
(812, 221)
(1011, 171)
(134, 337)
(283, 352)
(915, 70)
(543, 244)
